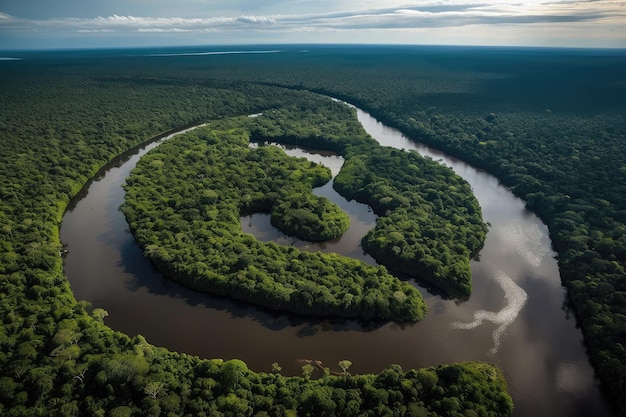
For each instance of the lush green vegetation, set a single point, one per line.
(140, 379)
(61, 119)
(549, 123)
(185, 198)
(431, 224)
(184, 201)
(309, 217)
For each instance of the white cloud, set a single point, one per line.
(450, 16)
(256, 20)
(158, 30)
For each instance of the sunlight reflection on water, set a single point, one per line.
(527, 240)
(515, 298)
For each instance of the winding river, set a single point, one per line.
(515, 318)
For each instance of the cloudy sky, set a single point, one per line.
(111, 23)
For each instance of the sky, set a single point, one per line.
(46, 24)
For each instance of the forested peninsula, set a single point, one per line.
(63, 117)
(183, 204)
(185, 198)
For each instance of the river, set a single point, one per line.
(515, 318)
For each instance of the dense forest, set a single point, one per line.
(431, 224)
(62, 118)
(184, 201)
(549, 123)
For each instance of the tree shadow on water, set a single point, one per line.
(141, 274)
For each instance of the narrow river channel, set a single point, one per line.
(515, 318)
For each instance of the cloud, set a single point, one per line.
(434, 15)
(455, 15)
(450, 15)
(170, 24)
(95, 31)
(158, 30)
(262, 20)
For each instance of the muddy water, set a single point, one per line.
(362, 218)
(515, 317)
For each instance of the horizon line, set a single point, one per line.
(318, 44)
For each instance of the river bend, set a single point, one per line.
(515, 318)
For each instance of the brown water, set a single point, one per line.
(362, 218)
(516, 316)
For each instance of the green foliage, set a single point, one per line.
(196, 238)
(233, 371)
(345, 364)
(549, 125)
(431, 222)
(309, 217)
(64, 118)
(560, 148)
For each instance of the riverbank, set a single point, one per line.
(517, 246)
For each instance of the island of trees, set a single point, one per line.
(183, 204)
(431, 223)
(185, 198)
(63, 118)
(309, 217)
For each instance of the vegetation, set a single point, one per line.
(185, 198)
(144, 380)
(431, 224)
(184, 201)
(309, 217)
(62, 118)
(549, 123)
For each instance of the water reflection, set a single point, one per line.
(515, 298)
(521, 236)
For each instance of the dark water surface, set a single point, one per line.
(362, 218)
(515, 318)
